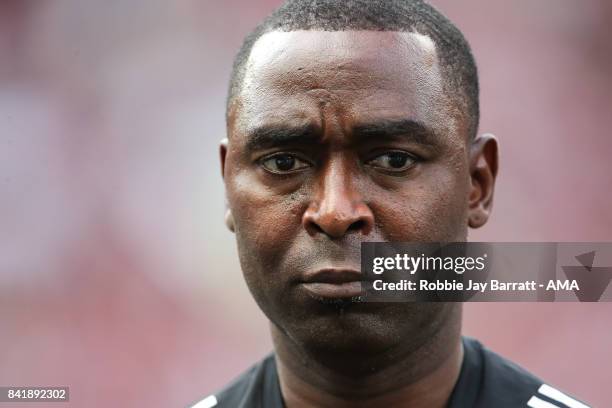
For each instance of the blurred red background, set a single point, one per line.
(117, 276)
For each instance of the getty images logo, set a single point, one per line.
(593, 280)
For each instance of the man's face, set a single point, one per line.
(338, 138)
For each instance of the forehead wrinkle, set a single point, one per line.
(349, 55)
(320, 80)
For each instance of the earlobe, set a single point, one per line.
(483, 172)
(229, 220)
(478, 218)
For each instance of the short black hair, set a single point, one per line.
(456, 59)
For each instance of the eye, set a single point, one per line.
(283, 163)
(395, 161)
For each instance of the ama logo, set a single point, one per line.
(593, 281)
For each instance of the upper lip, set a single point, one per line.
(333, 275)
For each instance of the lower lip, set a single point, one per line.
(334, 290)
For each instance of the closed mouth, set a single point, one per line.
(335, 276)
(334, 283)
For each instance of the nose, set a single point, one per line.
(338, 207)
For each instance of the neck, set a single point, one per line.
(422, 376)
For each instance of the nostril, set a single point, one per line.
(336, 224)
(357, 226)
(314, 228)
(318, 228)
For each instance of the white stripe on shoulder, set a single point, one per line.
(557, 395)
(207, 402)
(535, 402)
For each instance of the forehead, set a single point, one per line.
(352, 76)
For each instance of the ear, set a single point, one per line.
(223, 153)
(483, 172)
(229, 218)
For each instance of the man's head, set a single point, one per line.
(351, 121)
(455, 58)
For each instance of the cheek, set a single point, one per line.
(430, 209)
(266, 225)
(265, 222)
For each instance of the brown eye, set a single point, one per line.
(394, 161)
(283, 163)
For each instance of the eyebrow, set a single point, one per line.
(269, 136)
(274, 135)
(386, 129)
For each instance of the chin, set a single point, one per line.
(349, 328)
